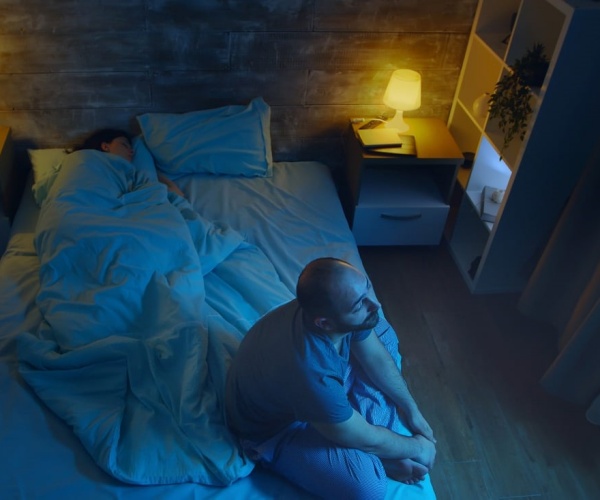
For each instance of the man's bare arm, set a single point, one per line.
(382, 370)
(356, 432)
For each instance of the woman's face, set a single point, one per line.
(119, 146)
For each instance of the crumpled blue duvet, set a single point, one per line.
(133, 351)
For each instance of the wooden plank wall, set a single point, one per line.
(70, 66)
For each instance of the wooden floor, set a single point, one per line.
(473, 363)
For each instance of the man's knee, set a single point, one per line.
(363, 478)
(332, 472)
(371, 488)
(364, 487)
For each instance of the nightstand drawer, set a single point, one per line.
(399, 225)
(399, 207)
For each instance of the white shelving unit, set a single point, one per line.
(539, 172)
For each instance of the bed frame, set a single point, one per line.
(12, 177)
(8, 200)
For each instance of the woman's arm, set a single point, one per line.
(171, 186)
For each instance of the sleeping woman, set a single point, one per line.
(118, 142)
(122, 352)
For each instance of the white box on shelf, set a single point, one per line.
(490, 203)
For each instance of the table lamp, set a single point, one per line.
(403, 93)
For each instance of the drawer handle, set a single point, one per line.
(400, 217)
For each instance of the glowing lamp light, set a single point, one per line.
(403, 93)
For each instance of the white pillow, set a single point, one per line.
(46, 164)
(232, 140)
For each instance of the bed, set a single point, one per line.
(121, 305)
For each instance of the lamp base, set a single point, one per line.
(397, 122)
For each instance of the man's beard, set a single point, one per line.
(368, 324)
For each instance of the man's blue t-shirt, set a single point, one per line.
(284, 373)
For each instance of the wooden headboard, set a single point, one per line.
(11, 185)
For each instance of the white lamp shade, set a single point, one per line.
(403, 93)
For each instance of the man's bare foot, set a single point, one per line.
(406, 471)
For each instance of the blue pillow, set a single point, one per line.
(232, 140)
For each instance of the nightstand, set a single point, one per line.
(397, 199)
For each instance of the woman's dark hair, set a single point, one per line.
(99, 137)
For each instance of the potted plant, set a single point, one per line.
(510, 101)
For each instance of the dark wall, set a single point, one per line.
(70, 66)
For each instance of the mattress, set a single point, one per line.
(292, 217)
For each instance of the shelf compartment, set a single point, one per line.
(482, 71)
(496, 136)
(529, 30)
(468, 241)
(495, 23)
(464, 130)
(488, 169)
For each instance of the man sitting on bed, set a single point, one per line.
(288, 389)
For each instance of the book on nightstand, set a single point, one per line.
(387, 141)
(489, 205)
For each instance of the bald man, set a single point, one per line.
(288, 394)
